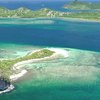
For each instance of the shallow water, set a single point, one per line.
(74, 78)
(12, 51)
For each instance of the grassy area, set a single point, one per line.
(85, 15)
(6, 65)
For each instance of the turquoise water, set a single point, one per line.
(74, 78)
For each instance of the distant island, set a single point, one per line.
(48, 13)
(82, 5)
(23, 12)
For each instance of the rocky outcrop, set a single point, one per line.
(5, 86)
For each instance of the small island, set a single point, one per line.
(11, 70)
(7, 70)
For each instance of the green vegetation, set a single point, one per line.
(48, 13)
(27, 13)
(85, 15)
(6, 65)
(79, 5)
(39, 54)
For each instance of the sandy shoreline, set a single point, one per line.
(50, 18)
(19, 65)
(78, 19)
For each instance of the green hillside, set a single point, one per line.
(82, 6)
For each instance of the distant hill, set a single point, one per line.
(28, 13)
(80, 5)
(47, 13)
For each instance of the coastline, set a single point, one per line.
(10, 88)
(19, 65)
(50, 18)
(79, 19)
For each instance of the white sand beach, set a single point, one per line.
(19, 65)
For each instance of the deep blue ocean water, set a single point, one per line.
(44, 84)
(62, 33)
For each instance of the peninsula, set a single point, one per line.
(8, 73)
(11, 70)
